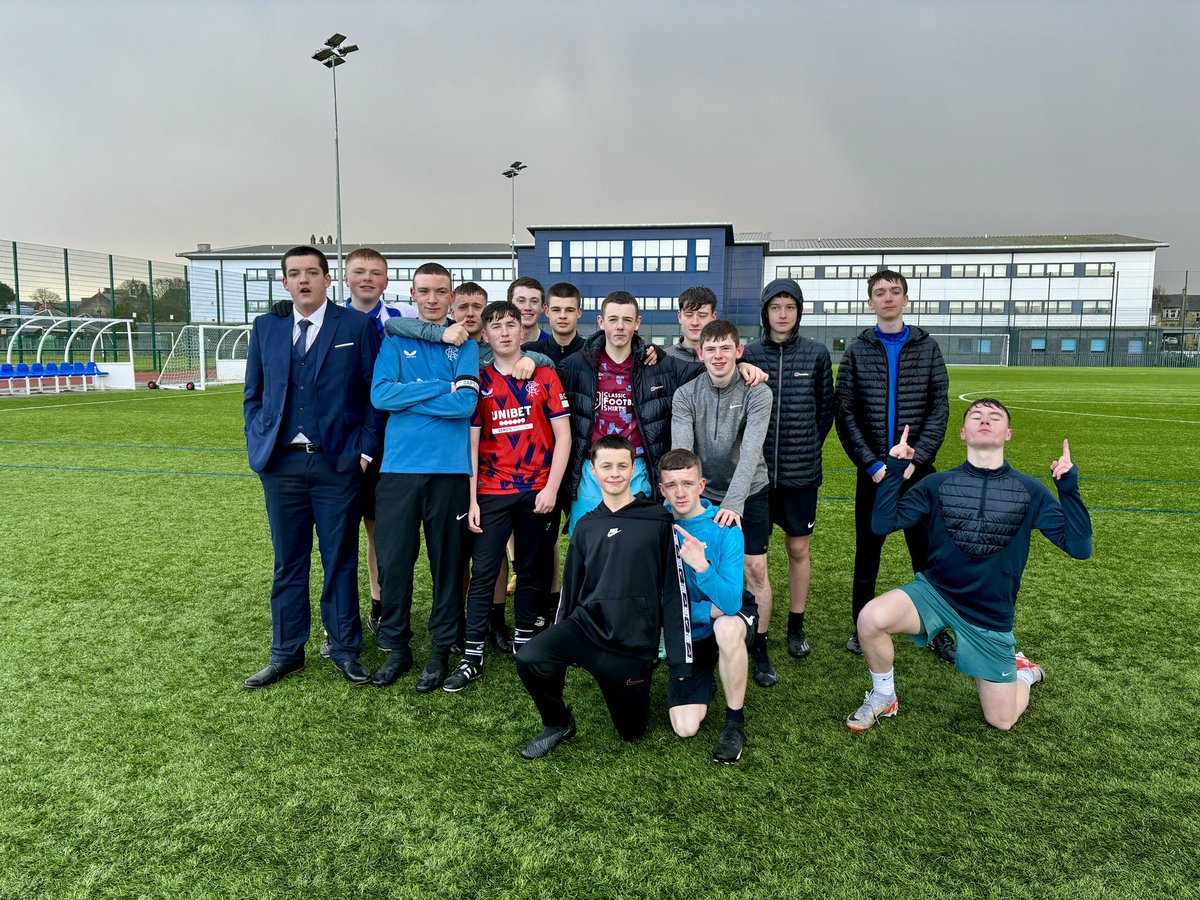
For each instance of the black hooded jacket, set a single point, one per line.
(801, 378)
(653, 388)
(922, 398)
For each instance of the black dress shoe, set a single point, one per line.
(273, 673)
(548, 740)
(397, 663)
(943, 646)
(356, 673)
(502, 639)
(433, 677)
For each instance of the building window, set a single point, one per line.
(844, 307)
(587, 256)
(1067, 345)
(701, 263)
(839, 343)
(928, 307)
(264, 274)
(920, 271)
(1045, 270)
(555, 264)
(798, 272)
(1037, 344)
(1099, 345)
(1171, 314)
(1136, 346)
(1096, 306)
(1042, 307)
(964, 345)
(1099, 269)
(660, 256)
(985, 345)
(847, 272)
(978, 271)
(589, 303)
(976, 307)
(650, 303)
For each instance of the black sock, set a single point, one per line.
(497, 615)
(760, 643)
(795, 622)
(735, 717)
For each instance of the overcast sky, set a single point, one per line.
(145, 128)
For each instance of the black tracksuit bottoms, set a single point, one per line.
(624, 680)
(535, 540)
(403, 503)
(868, 546)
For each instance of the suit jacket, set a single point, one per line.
(344, 352)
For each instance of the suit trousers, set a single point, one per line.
(303, 490)
(624, 680)
(403, 504)
(868, 546)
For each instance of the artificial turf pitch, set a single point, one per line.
(134, 574)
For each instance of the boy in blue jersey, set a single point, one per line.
(978, 518)
(429, 391)
(723, 616)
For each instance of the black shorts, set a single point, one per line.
(794, 510)
(366, 490)
(756, 523)
(701, 685)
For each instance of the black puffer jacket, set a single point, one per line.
(801, 379)
(653, 388)
(922, 401)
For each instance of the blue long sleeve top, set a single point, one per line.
(719, 585)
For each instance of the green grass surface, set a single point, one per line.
(134, 575)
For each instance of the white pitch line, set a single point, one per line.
(103, 402)
(966, 398)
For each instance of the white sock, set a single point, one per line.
(1028, 676)
(885, 683)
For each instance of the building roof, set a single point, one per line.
(958, 244)
(274, 251)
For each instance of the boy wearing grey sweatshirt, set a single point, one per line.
(725, 423)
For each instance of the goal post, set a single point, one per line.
(205, 356)
(973, 349)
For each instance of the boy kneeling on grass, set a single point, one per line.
(979, 517)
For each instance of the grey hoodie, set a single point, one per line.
(726, 428)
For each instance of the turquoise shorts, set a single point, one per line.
(985, 654)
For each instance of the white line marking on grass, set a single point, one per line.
(159, 397)
(966, 398)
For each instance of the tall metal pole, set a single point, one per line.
(337, 166)
(513, 244)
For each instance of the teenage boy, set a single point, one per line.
(697, 307)
(979, 518)
(366, 278)
(310, 433)
(725, 422)
(520, 441)
(563, 308)
(613, 390)
(527, 295)
(723, 623)
(891, 375)
(620, 590)
(430, 391)
(801, 415)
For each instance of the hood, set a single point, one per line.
(638, 508)
(774, 289)
(707, 514)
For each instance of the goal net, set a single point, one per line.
(973, 349)
(205, 355)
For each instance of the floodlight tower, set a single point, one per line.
(511, 174)
(332, 55)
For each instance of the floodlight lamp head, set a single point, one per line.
(349, 48)
(335, 40)
(322, 54)
(509, 173)
(518, 165)
(336, 61)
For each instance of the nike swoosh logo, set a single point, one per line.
(812, 523)
(629, 682)
(735, 406)
(460, 518)
(613, 532)
(1005, 674)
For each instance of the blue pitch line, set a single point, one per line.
(133, 471)
(64, 445)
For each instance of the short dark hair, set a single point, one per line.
(611, 442)
(470, 287)
(623, 298)
(694, 299)
(565, 290)
(304, 250)
(366, 253)
(886, 275)
(674, 460)
(526, 282)
(500, 309)
(718, 330)
(988, 403)
(432, 268)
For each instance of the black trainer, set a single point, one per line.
(433, 677)
(729, 745)
(466, 672)
(798, 644)
(548, 740)
(374, 617)
(852, 645)
(764, 672)
(944, 646)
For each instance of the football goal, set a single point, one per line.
(204, 356)
(973, 349)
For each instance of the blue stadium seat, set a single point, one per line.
(97, 374)
(38, 371)
(7, 372)
(22, 372)
(52, 372)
